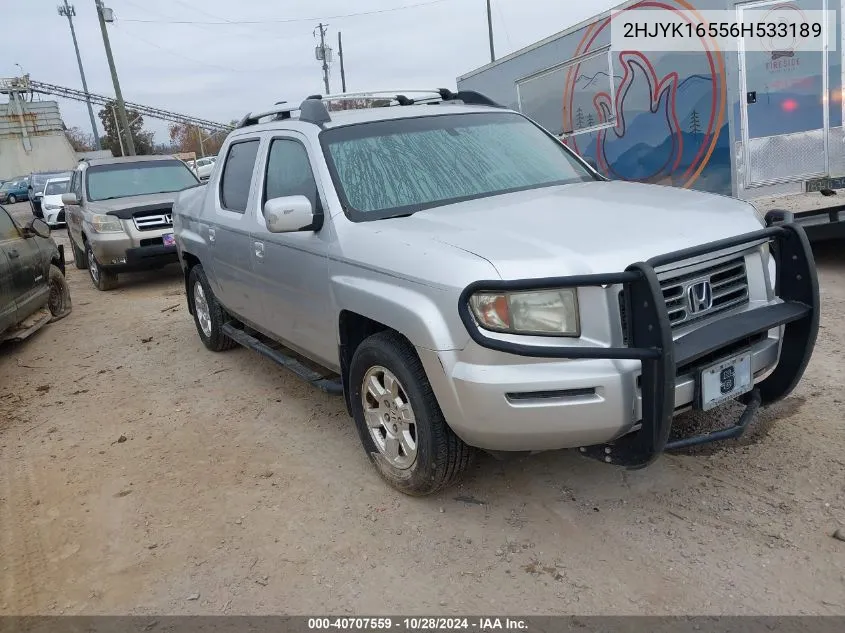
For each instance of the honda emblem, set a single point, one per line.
(699, 297)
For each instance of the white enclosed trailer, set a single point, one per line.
(759, 123)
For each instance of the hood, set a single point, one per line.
(582, 228)
(127, 204)
(55, 199)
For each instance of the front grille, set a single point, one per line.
(152, 241)
(728, 283)
(61, 216)
(150, 222)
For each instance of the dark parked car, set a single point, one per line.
(35, 188)
(14, 190)
(33, 290)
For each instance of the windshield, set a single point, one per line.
(56, 187)
(397, 167)
(121, 180)
(9, 185)
(39, 180)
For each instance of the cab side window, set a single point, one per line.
(8, 229)
(76, 184)
(289, 173)
(237, 175)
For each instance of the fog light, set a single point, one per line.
(118, 260)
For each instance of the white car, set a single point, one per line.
(51, 203)
(204, 167)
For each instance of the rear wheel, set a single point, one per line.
(12, 200)
(100, 277)
(399, 421)
(209, 315)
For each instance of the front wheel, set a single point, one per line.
(59, 301)
(100, 277)
(399, 421)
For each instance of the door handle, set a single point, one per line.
(211, 235)
(13, 254)
(259, 250)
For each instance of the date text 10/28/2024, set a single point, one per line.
(418, 624)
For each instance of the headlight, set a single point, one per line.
(52, 207)
(106, 224)
(542, 312)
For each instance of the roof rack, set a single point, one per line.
(314, 110)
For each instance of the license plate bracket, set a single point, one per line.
(724, 380)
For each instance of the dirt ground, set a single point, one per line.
(140, 473)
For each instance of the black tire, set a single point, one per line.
(102, 278)
(12, 200)
(441, 457)
(78, 254)
(59, 302)
(214, 339)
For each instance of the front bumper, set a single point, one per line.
(133, 250)
(589, 396)
(54, 217)
(823, 224)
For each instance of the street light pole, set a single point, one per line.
(69, 12)
(121, 106)
(490, 31)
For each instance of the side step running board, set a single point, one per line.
(328, 385)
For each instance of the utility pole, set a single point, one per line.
(490, 31)
(340, 55)
(69, 12)
(323, 56)
(104, 13)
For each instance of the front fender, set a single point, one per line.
(427, 316)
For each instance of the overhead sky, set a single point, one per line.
(194, 57)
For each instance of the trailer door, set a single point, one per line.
(783, 110)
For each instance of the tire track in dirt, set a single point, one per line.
(23, 553)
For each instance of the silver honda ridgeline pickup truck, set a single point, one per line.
(465, 281)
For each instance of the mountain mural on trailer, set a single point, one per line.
(666, 128)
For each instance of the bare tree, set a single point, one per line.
(79, 140)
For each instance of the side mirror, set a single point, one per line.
(38, 227)
(69, 198)
(288, 214)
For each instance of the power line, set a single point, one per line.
(504, 24)
(182, 55)
(287, 20)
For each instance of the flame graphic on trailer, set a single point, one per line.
(650, 86)
(666, 87)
